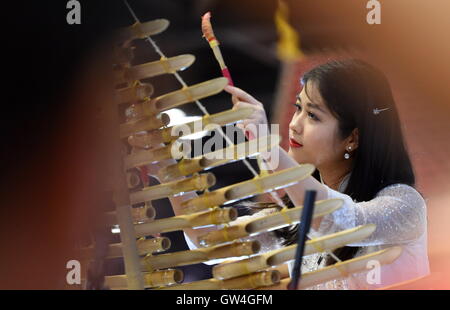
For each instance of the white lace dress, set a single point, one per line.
(399, 212)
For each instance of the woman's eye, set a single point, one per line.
(299, 107)
(312, 116)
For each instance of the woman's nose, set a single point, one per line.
(296, 124)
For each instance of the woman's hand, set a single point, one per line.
(256, 125)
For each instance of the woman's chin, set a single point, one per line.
(296, 154)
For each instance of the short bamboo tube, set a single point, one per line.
(134, 93)
(190, 94)
(342, 269)
(213, 217)
(190, 166)
(251, 281)
(283, 255)
(248, 188)
(174, 150)
(172, 133)
(155, 68)
(196, 256)
(142, 30)
(139, 215)
(149, 123)
(159, 278)
(266, 223)
(145, 246)
(195, 183)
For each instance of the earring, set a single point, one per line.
(347, 155)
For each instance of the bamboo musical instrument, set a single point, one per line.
(154, 68)
(201, 255)
(280, 256)
(169, 134)
(248, 188)
(148, 123)
(195, 183)
(144, 246)
(269, 222)
(151, 279)
(213, 217)
(142, 30)
(173, 150)
(251, 281)
(138, 214)
(220, 157)
(342, 269)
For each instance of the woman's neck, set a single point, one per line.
(333, 176)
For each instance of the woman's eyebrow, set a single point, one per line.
(310, 104)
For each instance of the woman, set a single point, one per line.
(347, 126)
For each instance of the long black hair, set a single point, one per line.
(354, 92)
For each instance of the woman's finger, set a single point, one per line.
(240, 94)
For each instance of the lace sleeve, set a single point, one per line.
(399, 212)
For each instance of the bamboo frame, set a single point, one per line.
(142, 30)
(159, 278)
(252, 281)
(248, 188)
(144, 246)
(154, 68)
(214, 159)
(213, 217)
(196, 256)
(164, 135)
(195, 183)
(283, 255)
(149, 123)
(342, 269)
(134, 93)
(266, 223)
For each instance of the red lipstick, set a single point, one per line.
(294, 143)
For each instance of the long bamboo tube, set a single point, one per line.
(142, 30)
(172, 133)
(159, 278)
(342, 269)
(283, 255)
(173, 150)
(251, 281)
(214, 217)
(196, 256)
(266, 223)
(134, 93)
(144, 246)
(190, 94)
(155, 68)
(220, 157)
(149, 123)
(195, 183)
(248, 188)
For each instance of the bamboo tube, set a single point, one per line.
(195, 183)
(142, 30)
(144, 246)
(248, 188)
(266, 223)
(251, 281)
(282, 269)
(213, 217)
(174, 150)
(283, 255)
(149, 123)
(190, 94)
(175, 132)
(134, 93)
(190, 166)
(133, 179)
(196, 256)
(159, 278)
(342, 269)
(155, 68)
(139, 215)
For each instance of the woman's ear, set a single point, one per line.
(353, 139)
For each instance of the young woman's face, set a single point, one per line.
(313, 131)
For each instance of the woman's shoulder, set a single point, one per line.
(404, 192)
